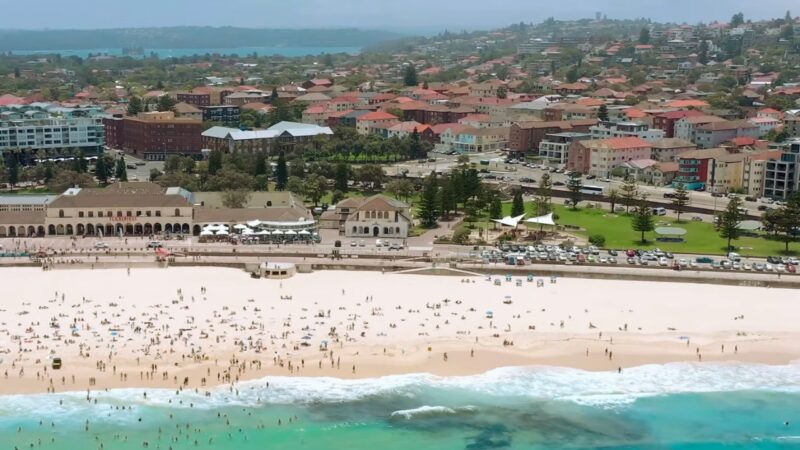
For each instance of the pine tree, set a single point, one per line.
(166, 103)
(517, 204)
(629, 192)
(495, 208)
(728, 222)
(80, 164)
(121, 172)
(613, 198)
(273, 96)
(602, 113)
(680, 199)
(644, 36)
(134, 106)
(789, 220)
(101, 170)
(574, 185)
(12, 166)
(446, 199)
(544, 193)
(410, 76)
(428, 206)
(214, 162)
(260, 165)
(281, 173)
(48, 171)
(341, 177)
(643, 218)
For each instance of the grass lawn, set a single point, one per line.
(701, 237)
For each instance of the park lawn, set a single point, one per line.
(701, 237)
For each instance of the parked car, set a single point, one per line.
(100, 245)
(154, 244)
(704, 260)
(697, 219)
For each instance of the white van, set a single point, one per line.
(659, 211)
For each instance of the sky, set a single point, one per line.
(400, 15)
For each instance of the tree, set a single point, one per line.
(166, 103)
(120, 171)
(574, 185)
(789, 220)
(410, 76)
(295, 185)
(155, 174)
(629, 192)
(402, 189)
(613, 198)
(80, 164)
(235, 198)
(416, 148)
(102, 169)
(214, 162)
(371, 175)
(495, 208)
(462, 160)
(602, 113)
(447, 201)
(12, 167)
(729, 220)
(260, 166)
(341, 177)
(644, 36)
(517, 204)
(428, 212)
(572, 74)
(702, 54)
(680, 199)
(544, 194)
(461, 236)
(48, 171)
(135, 106)
(273, 96)
(281, 173)
(737, 20)
(316, 187)
(502, 92)
(642, 220)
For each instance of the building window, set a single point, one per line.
(108, 214)
(158, 213)
(91, 213)
(177, 212)
(128, 213)
(80, 213)
(148, 213)
(61, 213)
(119, 213)
(138, 213)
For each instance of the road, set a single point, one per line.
(142, 169)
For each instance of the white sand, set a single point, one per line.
(384, 323)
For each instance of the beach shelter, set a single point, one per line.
(509, 221)
(546, 219)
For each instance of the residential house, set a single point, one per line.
(666, 121)
(599, 157)
(371, 118)
(526, 136)
(685, 127)
(696, 168)
(378, 216)
(606, 130)
(668, 149)
(187, 111)
(782, 174)
(554, 148)
(713, 134)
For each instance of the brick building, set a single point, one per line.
(526, 136)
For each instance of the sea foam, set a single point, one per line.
(533, 383)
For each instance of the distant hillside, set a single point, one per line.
(188, 37)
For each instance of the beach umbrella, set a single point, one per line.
(240, 226)
(254, 223)
(263, 233)
(247, 232)
(206, 233)
(277, 232)
(222, 233)
(291, 232)
(304, 232)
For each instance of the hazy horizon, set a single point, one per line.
(408, 15)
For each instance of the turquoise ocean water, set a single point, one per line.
(674, 406)
(182, 52)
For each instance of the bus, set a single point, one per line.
(592, 190)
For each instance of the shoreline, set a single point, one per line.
(383, 324)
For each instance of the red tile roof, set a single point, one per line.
(377, 115)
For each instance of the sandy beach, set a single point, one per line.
(194, 328)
